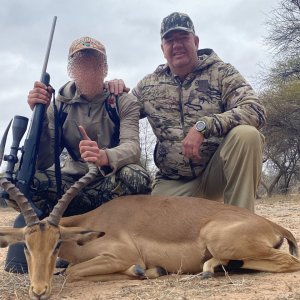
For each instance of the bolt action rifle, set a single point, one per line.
(23, 177)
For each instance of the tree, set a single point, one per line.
(284, 29)
(147, 142)
(281, 96)
(283, 71)
(282, 147)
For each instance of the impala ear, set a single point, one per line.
(79, 235)
(10, 236)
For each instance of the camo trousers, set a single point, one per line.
(131, 179)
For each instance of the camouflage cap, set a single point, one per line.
(85, 43)
(176, 21)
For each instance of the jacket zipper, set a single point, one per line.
(179, 83)
(90, 108)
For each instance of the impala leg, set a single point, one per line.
(152, 273)
(155, 272)
(102, 278)
(105, 264)
(209, 266)
(276, 261)
(134, 272)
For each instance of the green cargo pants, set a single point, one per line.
(233, 173)
(131, 179)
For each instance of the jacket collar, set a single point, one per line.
(69, 94)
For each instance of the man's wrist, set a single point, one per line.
(201, 127)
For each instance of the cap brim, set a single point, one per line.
(178, 28)
(87, 48)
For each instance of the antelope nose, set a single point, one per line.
(39, 293)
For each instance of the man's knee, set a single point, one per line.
(246, 133)
(134, 179)
(247, 136)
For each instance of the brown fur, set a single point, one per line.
(148, 235)
(178, 234)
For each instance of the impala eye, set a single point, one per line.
(57, 245)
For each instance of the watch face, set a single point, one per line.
(200, 126)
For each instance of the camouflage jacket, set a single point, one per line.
(214, 92)
(93, 116)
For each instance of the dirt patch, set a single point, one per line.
(240, 285)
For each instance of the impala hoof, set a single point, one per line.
(161, 271)
(206, 275)
(139, 271)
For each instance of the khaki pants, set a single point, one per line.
(233, 173)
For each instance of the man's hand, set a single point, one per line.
(90, 152)
(192, 143)
(39, 94)
(116, 87)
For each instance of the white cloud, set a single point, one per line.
(130, 31)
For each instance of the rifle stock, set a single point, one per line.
(30, 149)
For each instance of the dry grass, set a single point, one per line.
(13, 286)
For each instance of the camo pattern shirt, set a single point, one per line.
(214, 92)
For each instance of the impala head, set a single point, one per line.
(42, 239)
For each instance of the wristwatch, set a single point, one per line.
(200, 126)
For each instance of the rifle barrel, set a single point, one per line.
(48, 48)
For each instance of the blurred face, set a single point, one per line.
(180, 50)
(87, 69)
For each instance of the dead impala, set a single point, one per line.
(145, 237)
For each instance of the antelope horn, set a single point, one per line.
(26, 209)
(65, 200)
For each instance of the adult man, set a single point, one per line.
(205, 117)
(114, 148)
(83, 101)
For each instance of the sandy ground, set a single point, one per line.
(242, 285)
